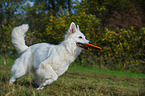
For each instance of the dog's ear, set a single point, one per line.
(72, 28)
(78, 27)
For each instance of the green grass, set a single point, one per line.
(108, 71)
(77, 81)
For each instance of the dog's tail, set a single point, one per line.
(18, 35)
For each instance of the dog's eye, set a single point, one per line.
(80, 37)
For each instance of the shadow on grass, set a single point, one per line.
(4, 79)
(27, 84)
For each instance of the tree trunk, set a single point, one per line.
(69, 6)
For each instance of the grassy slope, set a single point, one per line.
(78, 81)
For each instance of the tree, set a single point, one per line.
(8, 19)
(53, 6)
(8, 10)
(116, 13)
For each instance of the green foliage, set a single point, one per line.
(125, 46)
(5, 37)
(57, 26)
(120, 51)
(115, 13)
(8, 9)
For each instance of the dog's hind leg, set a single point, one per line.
(13, 79)
(16, 76)
(20, 68)
(48, 74)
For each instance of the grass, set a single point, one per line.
(108, 71)
(77, 81)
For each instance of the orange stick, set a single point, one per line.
(91, 46)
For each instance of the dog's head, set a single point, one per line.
(75, 35)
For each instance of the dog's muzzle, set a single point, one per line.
(81, 45)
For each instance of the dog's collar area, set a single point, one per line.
(81, 45)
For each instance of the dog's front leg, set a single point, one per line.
(48, 74)
(41, 85)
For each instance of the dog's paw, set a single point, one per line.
(40, 88)
(45, 83)
(12, 80)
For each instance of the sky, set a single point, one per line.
(31, 3)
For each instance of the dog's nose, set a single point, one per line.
(90, 42)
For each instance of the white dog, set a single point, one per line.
(47, 62)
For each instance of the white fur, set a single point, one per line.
(18, 35)
(46, 61)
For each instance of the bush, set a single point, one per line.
(120, 51)
(58, 26)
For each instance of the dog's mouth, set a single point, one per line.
(81, 45)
